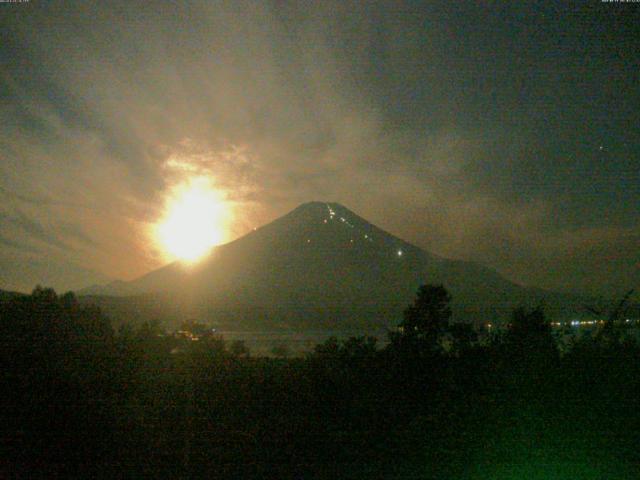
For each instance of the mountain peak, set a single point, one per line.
(316, 213)
(326, 210)
(321, 215)
(321, 207)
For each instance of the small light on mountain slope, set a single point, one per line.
(194, 221)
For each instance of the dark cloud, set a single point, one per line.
(19, 246)
(32, 228)
(501, 133)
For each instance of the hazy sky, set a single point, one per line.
(505, 133)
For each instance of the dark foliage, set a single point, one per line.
(82, 401)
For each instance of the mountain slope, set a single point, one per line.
(319, 266)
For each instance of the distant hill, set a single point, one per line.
(319, 266)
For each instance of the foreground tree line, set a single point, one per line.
(82, 400)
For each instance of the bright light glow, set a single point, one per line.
(399, 253)
(194, 220)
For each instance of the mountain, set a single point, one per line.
(319, 266)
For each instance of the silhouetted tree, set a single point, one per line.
(354, 348)
(463, 337)
(281, 350)
(196, 328)
(58, 358)
(528, 338)
(149, 404)
(610, 334)
(430, 313)
(362, 347)
(424, 321)
(239, 348)
(209, 348)
(329, 349)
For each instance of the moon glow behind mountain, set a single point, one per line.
(194, 221)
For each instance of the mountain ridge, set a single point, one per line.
(319, 264)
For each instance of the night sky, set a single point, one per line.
(505, 133)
